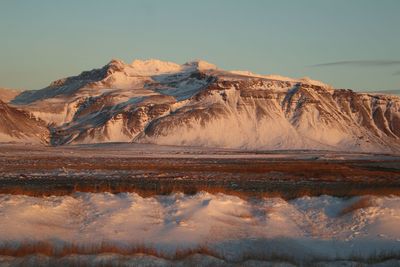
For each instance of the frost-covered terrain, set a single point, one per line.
(198, 104)
(122, 205)
(203, 228)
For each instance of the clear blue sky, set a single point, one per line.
(44, 40)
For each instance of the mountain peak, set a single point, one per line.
(156, 66)
(116, 62)
(115, 65)
(201, 65)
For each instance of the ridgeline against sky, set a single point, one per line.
(351, 44)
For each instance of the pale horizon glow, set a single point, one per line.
(349, 44)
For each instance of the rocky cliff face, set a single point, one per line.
(199, 104)
(274, 114)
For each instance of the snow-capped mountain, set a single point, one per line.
(198, 104)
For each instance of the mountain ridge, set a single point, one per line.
(196, 103)
(8, 94)
(28, 128)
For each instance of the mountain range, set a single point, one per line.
(198, 104)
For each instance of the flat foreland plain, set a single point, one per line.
(150, 170)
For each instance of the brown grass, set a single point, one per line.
(286, 178)
(285, 190)
(57, 252)
(49, 249)
(361, 203)
(326, 170)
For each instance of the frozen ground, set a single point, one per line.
(121, 205)
(220, 229)
(134, 150)
(124, 167)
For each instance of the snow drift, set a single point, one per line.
(222, 226)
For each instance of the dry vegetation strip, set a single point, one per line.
(296, 168)
(149, 187)
(66, 249)
(289, 178)
(49, 249)
(360, 203)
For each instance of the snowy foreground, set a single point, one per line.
(202, 229)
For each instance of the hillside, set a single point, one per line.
(198, 104)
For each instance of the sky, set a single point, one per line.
(345, 43)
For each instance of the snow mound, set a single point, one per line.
(322, 227)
